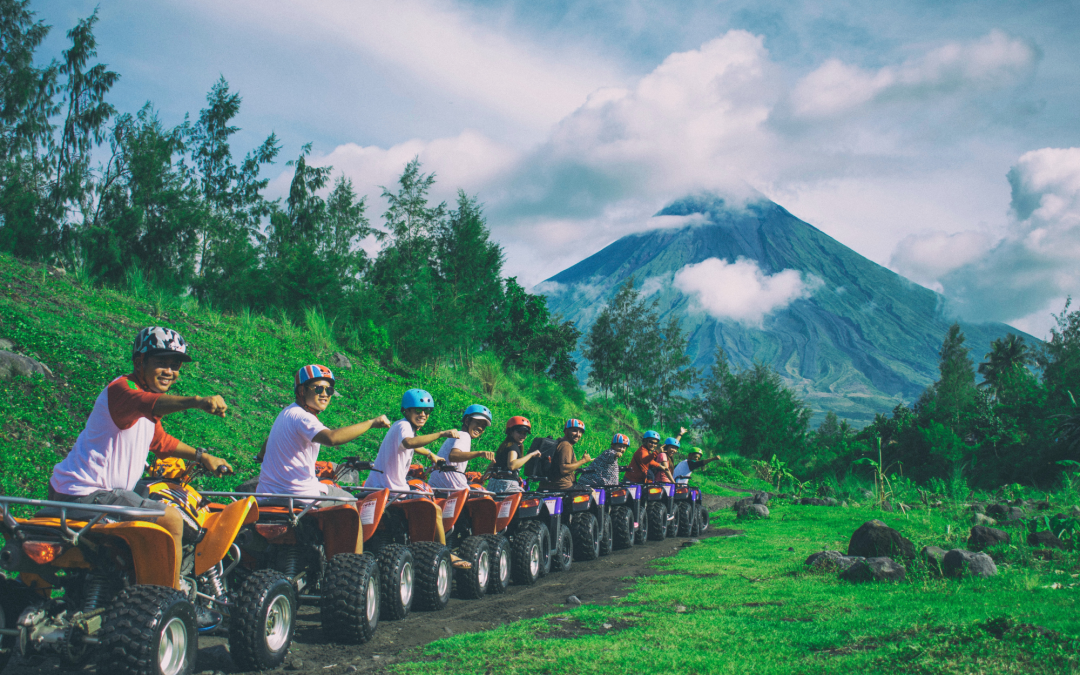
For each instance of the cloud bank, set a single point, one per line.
(740, 291)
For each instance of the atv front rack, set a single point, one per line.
(70, 535)
(312, 500)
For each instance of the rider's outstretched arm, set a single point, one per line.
(345, 434)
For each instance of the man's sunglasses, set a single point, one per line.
(322, 389)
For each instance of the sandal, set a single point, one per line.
(460, 564)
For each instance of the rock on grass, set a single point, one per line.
(875, 539)
(879, 568)
(829, 560)
(753, 512)
(981, 537)
(958, 563)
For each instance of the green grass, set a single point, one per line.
(746, 604)
(84, 335)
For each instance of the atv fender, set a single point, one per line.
(221, 530)
(152, 551)
(452, 507)
(421, 514)
(341, 530)
(371, 510)
(483, 512)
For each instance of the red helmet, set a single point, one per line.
(518, 421)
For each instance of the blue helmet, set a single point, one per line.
(477, 410)
(671, 441)
(650, 434)
(417, 398)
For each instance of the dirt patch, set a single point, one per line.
(563, 627)
(598, 582)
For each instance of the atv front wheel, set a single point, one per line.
(528, 554)
(622, 527)
(605, 535)
(396, 578)
(15, 597)
(703, 515)
(350, 598)
(564, 551)
(499, 576)
(585, 534)
(471, 584)
(683, 516)
(657, 519)
(149, 630)
(262, 620)
(434, 575)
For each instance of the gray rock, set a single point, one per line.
(761, 498)
(978, 507)
(875, 539)
(1015, 513)
(999, 511)
(351, 668)
(981, 537)
(1047, 539)
(958, 563)
(339, 360)
(742, 503)
(573, 600)
(6, 345)
(812, 501)
(844, 504)
(932, 555)
(12, 365)
(867, 494)
(875, 569)
(831, 560)
(981, 519)
(753, 512)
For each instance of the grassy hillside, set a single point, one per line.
(83, 334)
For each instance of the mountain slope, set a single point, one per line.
(865, 340)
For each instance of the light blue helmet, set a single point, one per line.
(671, 441)
(477, 410)
(650, 434)
(417, 398)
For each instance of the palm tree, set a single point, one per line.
(1005, 356)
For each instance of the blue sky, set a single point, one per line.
(939, 139)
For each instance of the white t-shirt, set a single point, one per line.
(453, 479)
(683, 472)
(393, 459)
(289, 464)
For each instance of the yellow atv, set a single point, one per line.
(260, 606)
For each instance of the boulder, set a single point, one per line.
(753, 512)
(812, 501)
(742, 503)
(875, 539)
(339, 360)
(958, 563)
(980, 519)
(932, 555)
(1015, 513)
(981, 537)
(761, 498)
(6, 345)
(1045, 538)
(831, 560)
(12, 365)
(978, 507)
(878, 568)
(999, 511)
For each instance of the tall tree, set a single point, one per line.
(954, 391)
(1005, 357)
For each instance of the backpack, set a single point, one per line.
(542, 467)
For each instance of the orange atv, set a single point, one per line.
(478, 537)
(406, 539)
(317, 543)
(260, 607)
(89, 582)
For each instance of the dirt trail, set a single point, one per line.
(597, 582)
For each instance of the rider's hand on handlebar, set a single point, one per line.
(216, 465)
(215, 405)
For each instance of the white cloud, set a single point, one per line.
(992, 62)
(654, 285)
(740, 290)
(925, 258)
(1035, 265)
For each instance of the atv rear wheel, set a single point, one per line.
(472, 583)
(684, 515)
(703, 518)
(350, 598)
(396, 581)
(673, 521)
(695, 520)
(15, 597)
(262, 620)
(585, 533)
(499, 576)
(622, 527)
(528, 553)
(605, 535)
(149, 630)
(657, 519)
(564, 551)
(434, 575)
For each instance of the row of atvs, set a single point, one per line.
(92, 581)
